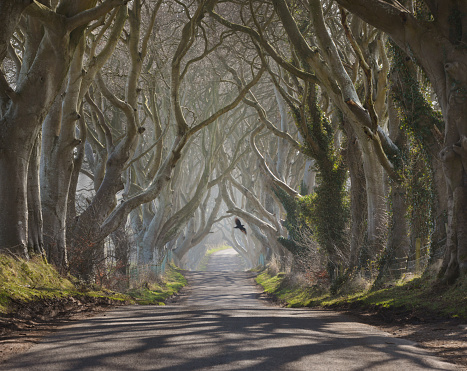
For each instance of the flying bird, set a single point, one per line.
(239, 225)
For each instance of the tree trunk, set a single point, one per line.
(15, 152)
(281, 143)
(455, 261)
(376, 204)
(58, 162)
(440, 207)
(358, 197)
(397, 248)
(44, 68)
(77, 164)
(398, 243)
(122, 255)
(35, 224)
(436, 46)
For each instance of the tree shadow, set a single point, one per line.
(205, 338)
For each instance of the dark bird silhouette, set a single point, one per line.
(239, 225)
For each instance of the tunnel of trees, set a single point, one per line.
(133, 131)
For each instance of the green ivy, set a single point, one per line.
(418, 116)
(419, 120)
(325, 213)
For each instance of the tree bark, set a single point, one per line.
(435, 45)
(358, 197)
(58, 163)
(15, 151)
(35, 223)
(43, 71)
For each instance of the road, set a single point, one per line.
(219, 324)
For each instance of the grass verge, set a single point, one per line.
(418, 295)
(36, 284)
(157, 292)
(33, 280)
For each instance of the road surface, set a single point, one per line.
(219, 324)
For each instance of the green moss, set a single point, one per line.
(418, 295)
(35, 280)
(156, 293)
(325, 213)
(288, 292)
(29, 280)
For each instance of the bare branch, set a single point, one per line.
(148, 150)
(366, 69)
(273, 179)
(87, 173)
(267, 47)
(86, 16)
(102, 122)
(46, 15)
(230, 106)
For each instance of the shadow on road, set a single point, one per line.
(178, 338)
(220, 325)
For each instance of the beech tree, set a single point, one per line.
(333, 78)
(62, 150)
(49, 37)
(155, 103)
(434, 43)
(103, 216)
(346, 61)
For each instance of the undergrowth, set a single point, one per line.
(157, 292)
(34, 280)
(25, 281)
(416, 294)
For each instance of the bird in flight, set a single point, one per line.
(239, 225)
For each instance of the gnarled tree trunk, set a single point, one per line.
(437, 48)
(46, 59)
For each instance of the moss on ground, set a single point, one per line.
(157, 292)
(420, 295)
(34, 281)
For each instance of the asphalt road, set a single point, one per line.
(219, 324)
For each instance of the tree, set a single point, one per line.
(50, 39)
(333, 79)
(103, 215)
(62, 150)
(435, 44)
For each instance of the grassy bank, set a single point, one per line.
(157, 292)
(34, 283)
(28, 281)
(418, 295)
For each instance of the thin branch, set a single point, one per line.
(87, 173)
(267, 47)
(86, 16)
(276, 181)
(230, 106)
(102, 122)
(366, 69)
(147, 35)
(148, 150)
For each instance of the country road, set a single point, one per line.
(220, 324)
